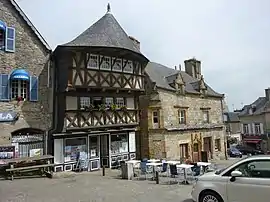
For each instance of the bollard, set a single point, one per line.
(157, 178)
(103, 170)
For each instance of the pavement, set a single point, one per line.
(92, 187)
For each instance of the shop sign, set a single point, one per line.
(7, 116)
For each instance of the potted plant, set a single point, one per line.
(124, 108)
(102, 107)
(113, 107)
(91, 107)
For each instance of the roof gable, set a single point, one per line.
(164, 76)
(29, 23)
(106, 32)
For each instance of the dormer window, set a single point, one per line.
(7, 38)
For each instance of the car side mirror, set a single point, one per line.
(235, 174)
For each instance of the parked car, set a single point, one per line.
(245, 150)
(246, 180)
(233, 152)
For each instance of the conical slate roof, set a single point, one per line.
(106, 32)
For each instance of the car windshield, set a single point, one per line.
(234, 149)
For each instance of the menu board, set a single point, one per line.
(7, 152)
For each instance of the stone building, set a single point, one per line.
(98, 77)
(255, 122)
(233, 126)
(24, 55)
(180, 114)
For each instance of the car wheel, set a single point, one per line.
(210, 196)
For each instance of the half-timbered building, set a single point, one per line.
(98, 78)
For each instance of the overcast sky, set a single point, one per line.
(230, 37)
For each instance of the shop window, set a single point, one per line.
(217, 145)
(74, 148)
(106, 64)
(15, 87)
(84, 102)
(120, 102)
(97, 101)
(108, 101)
(182, 116)
(119, 144)
(94, 146)
(117, 65)
(93, 62)
(7, 38)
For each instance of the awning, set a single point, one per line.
(2, 25)
(20, 74)
(252, 141)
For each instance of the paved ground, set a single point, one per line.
(92, 187)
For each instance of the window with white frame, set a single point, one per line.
(129, 67)
(93, 62)
(205, 116)
(85, 102)
(245, 128)
(182, 116)
(106, 64)
(257, 128)
(108, 101)
(120, 102)
(117, 65)
(19, 88)
(7, 37)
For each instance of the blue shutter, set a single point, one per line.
(34, 88)
(4, 91)
(10, 39)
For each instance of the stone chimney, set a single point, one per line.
(267, 93)
(193, 68)
(135, 42)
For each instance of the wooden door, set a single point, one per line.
(183, 151)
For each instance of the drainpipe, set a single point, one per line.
(225, 135)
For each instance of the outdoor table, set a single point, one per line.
(154, 165)
(153, 160)
(173, 162)
(184, 167)
(204, 165)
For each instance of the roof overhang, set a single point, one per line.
(110, 51)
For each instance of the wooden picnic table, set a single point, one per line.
(28, 164)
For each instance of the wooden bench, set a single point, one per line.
(42, 168)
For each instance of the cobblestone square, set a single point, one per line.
(90, 187)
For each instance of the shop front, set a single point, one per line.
(94, 149)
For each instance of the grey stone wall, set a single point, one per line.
(31, 55)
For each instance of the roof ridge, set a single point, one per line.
(30, 24)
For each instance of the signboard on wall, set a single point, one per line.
(7, 152)
(132, 142)
(8, 116)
